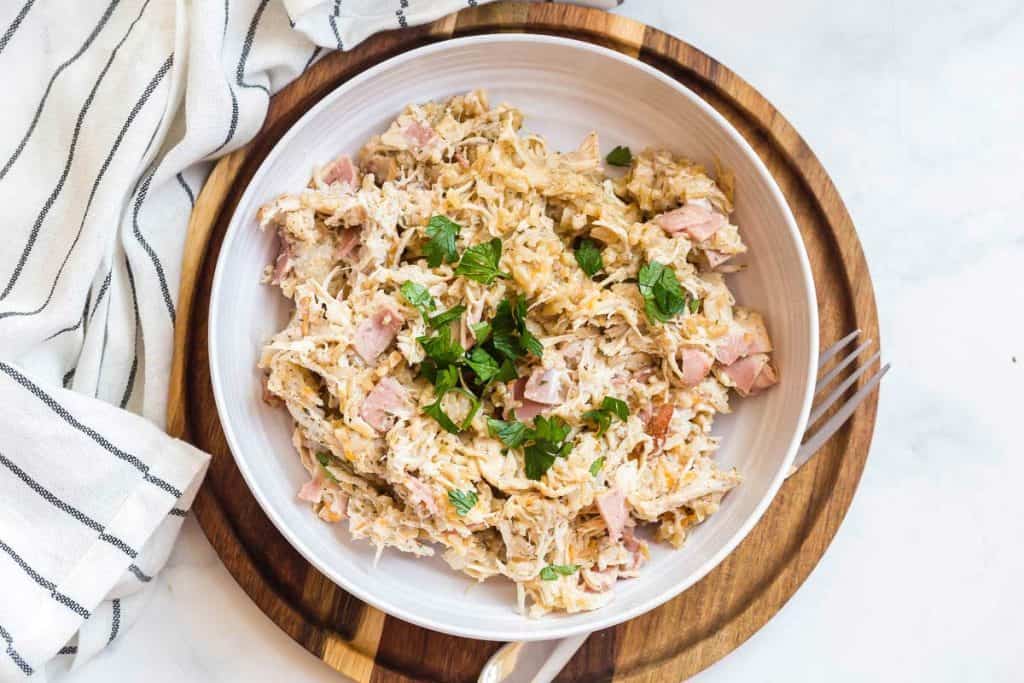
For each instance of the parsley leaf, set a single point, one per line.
(588, 255)
(552, 571)
(510, 337)
(695, 305)
(620, 156)
(442, 348)
(462, 501)
(445, 317)
(596, 466)
(610, 407)
(442, 232)
(481, 331)
(324, 459)
(436, 411)
(483, 364)
(549, 442)
(511, 433)
(507, 372)
(418, 295)
(480, 262)
(662, 294)
(445, 380)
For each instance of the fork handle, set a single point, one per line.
(534, 662)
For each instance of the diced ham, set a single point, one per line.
(696, 219)
(600, 581)
(612, 506)
(768, 377)
(747, 337)
(348, 242)
(418, 133)
(751, 374)
(375, 334)
(716, 258)
(546, 386)
(658, 425)
(421, 493)
(386, 402)
(696, 365)
(283, 264)
(461, 159)
(341, 170)
(312, 490)
(528, 409)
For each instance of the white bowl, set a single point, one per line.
(565, 89)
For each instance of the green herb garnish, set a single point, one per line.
(462, 501)
(483, 364)
(620, 156)
(548, 435)
(662, 294)
(512, 433)
(509, 334)
(481, 331)
(441, 348)
(445, 317)
(610, 407)
(418, 295)
(324, 459)
(481, 262)
(588, 255)
(442, 232)
(596, 466)
(694, 305)
(435, 411)
(553, 571)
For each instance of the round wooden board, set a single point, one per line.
(670, 643)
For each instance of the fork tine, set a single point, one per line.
(811, 446)
(834, 396)
(830, 352)
(834, 372)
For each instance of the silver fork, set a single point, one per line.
(540, 661)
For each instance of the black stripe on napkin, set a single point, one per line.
(88, 431)
(45, 583)
(333, 21)
(52, 499)
(115, 621)
(51, 200)
(49, 86)
(188, 190)
(139, 199)
(135, 338)
(9, 33)
(12, 653)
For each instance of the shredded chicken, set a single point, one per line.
(349, 365)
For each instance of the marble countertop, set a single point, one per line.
(914, 107)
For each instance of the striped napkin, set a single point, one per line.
(113, 112)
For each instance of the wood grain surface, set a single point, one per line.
(670, 643)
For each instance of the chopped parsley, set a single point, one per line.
(441, 348)
(509, 334)
(511, 433)
(553, 571)
(610, 407)
(596, 466)
(440, 248)
(694, 305)
(441, 319)
(418, 295)
(324, 459)
(435, 411)
(481, 262)
(620, 156)
(588, 255)
(662, 294)
(462, 501)
(481, 331)
(483, 364)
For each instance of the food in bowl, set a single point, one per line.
(510, 352)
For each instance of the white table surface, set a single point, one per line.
(915, 108)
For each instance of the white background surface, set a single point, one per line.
(915, 108)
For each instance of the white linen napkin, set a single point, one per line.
(113, 112)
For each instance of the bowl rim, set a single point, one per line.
(604, 617)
